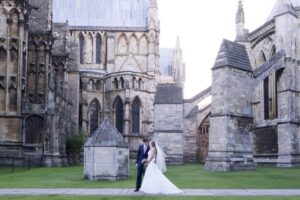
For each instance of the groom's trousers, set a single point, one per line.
(140, 173)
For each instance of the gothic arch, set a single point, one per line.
(13, 12)
(34, 128)
(81, 47)
(122, 44)
(133, 44)
(94, 115)
(118, 108)
(136, 115)
(143, 45)
(98, 48)
(272, 51)
(116, 83)
(122, 82)
(133, 82)
(203, 139)
(140, 84)
(262, 58)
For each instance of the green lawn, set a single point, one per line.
(140, 198)
(188, 176)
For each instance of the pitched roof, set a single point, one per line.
(109, 14)
(283, 6)
(168, 94)
(234, 55)
(106, 136)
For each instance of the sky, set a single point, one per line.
(201, 26)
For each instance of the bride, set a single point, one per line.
(154, 181)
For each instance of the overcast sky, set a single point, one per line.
(201, 26)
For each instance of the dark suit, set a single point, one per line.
(142, 155)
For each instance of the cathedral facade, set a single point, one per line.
(64, 65)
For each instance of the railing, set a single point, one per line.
(24, 163)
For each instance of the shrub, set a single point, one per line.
(75, 142)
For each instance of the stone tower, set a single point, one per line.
(230, 139)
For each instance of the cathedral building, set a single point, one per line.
(255, 111)
(65, 64)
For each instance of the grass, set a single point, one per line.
(187, 176)
(54, 197)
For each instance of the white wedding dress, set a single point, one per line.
(155, 182)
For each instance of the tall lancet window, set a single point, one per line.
(81, 49)
(136, 115)
(98, 49)
(266, 98)
(94, 115)
(119, 114)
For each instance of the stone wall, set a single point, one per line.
(168, 131)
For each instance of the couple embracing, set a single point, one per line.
(151, 157)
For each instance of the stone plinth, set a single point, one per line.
(106, 154)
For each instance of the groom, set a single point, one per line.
(141, 162)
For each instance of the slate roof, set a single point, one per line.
(106, 136)
(166, 61)
(233, 55)
(168, 94)
(110, 14)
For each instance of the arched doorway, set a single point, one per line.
(203, 140)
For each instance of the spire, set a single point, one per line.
(178, 68)
(241, 32)
(178, 43)
(240, 15)
(153, 15)
(153, 4)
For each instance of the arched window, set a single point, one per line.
(262, 59)
(98, 85)
(140, 83)
(98, 49)
(119, 114)
(133, 82)
(116, 83)
(273, 51)
(266, 98)
(81, 48)
(136, 115)
(122, 82)
(94, 115)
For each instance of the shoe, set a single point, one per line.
(136, 190)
